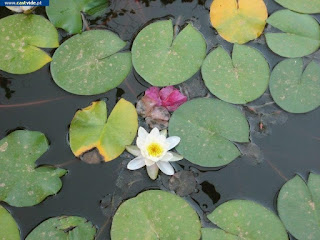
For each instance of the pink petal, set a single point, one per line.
(153, 94)
(174, 100)
(165, 92)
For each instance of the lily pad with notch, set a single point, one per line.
(239, 21)
(292, 89)
(207, 128)
(90, 128)
(90, 63)
(21, 37)
(64, 228)
(239, 80)
(67, 14)
(300, 37)
(155, 214)
(247, 220)
(163, 60)
(8, 227)
(299, 207)
(22, 183)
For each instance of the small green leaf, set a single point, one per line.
(248, 221)
(90, 63)
(90, 129)
(206, 136)
(301, 35)
(294, 91)
(67, 14)
(239, 80)
(216, 234)
(64, 228)
(155, 214)
(162, 60)
(302, 6)
(21, 36)
(22, 183)
(299, 207)
(8, 227)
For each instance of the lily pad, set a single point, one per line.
(64, 228)
(162, 60)
(155, 215)
(8, 227)
(21, 36)
(292, 89)
(90, 63)
(90, 129)
(22, 183)
(214, 233)
(239, 80)
(299, 207)
(300, 37)
(247, 220)
(206, 136)
(67, 14)
(239, 21)
(301, 6)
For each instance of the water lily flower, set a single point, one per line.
(18, 9)
(168, 97)
(152, 150)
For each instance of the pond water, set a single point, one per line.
(284, 144)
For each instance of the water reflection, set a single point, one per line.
(5, 85)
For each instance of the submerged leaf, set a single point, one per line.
(239, 21)
(67, 14)
(162, 60)
(300, 37)
(90, 129)
(302, 6)
(21, 36)
(239, 80)
(8, 227)
(292, 89)
(299, 207)
(155, 215)
(64, 228)
(246, 220)
(206, 128)
(90, 63)
(21, 182)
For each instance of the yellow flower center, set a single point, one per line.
(155, 150)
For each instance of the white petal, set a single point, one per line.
(166, 168)
(164, 132)
(15, 9)
(25, 8)
(173, 141)
(175, 157)
(155, 132)
(142, 133)
(167, 157)
(153, 171)
(141, 142)
(149, 162)
(136, 163)
(134, 150)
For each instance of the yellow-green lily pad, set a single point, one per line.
(8, 227)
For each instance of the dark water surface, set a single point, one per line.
(33, 101)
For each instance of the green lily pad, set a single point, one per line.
(162, 60)
(239, 80)
(206, 136)
(301, 35)
(299, 207)
(22, 183)
(302, 6)
(67, 14)
(217, 234)
(90, 129)
(155, 214)
(64, 228)
(21, 36)
(247, 220)
(8, 227)
(90, 63)
(292, 89)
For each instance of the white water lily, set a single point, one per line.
(152, 150)
(24, 9)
